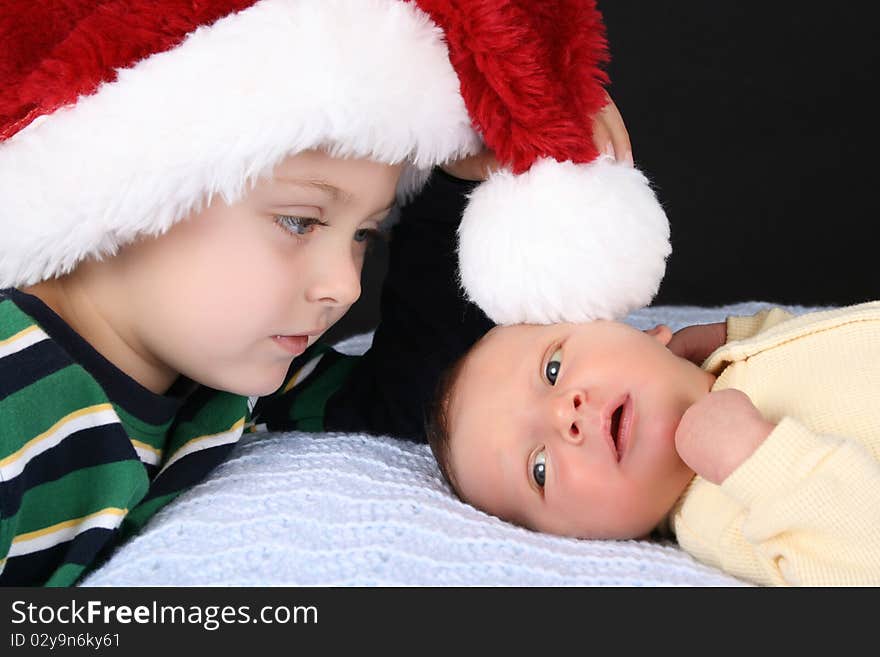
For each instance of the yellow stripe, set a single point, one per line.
(292, 382)
(173, 458)
(68, 523)
(238, 424)
(55, 427)
(143, 445)
(19, 335)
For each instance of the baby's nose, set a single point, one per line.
(571, 414)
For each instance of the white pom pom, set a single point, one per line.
(563, 243)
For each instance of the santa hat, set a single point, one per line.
(119, 118)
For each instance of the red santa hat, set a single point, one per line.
(120, 118)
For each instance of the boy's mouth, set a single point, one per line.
(292, 344)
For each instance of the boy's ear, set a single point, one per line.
(661, 333)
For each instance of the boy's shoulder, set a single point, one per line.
(27, 352)
(40, 380)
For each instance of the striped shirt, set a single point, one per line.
(88, 455)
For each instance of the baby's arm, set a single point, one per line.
(697, 342)
(718, 433)
(742, 327)
(811, 501)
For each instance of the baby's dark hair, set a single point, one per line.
(437, 419)
(437, 425)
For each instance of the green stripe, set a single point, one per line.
(31, 411)
(217, 414)
(310, 397)
(139, 516)
(34, 409)
(12, 319)
(151, 434)
(121, 484)
(66, 575)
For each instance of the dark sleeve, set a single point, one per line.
(425, 322)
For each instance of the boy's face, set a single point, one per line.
(210, 298)
(570, 428)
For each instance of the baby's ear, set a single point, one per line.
(661, 333)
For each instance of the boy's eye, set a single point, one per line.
(551, 371)
(539, 468)
(298, 226)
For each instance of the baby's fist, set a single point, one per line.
(719, 432)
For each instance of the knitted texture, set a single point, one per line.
(340, 509)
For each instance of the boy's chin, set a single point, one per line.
(258, 385)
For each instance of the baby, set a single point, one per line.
(187, 192)
(764, 461)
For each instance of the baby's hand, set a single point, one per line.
(609, 135)
(695, 343)
(719, 432)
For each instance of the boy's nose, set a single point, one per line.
(336, 281)
(572, 415)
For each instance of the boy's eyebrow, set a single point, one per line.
(332, 191)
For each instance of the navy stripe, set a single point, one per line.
(89, 544)
(25, 367)
(195, 402)
(120, 388)
(36, 568)
(84, 449)
(188, 471)
(274, 411)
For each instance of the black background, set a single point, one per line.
(756, 122)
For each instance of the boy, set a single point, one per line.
(764, 462)
(186, 194)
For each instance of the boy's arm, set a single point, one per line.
(425, 326)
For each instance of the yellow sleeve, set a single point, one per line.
(742, 327)
(812, 508)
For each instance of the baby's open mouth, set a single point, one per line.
(615, 428)
(620, 426)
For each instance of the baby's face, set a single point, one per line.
(570, 428)
(215, 296)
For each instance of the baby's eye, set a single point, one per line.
(551, 371)
(367, 235)
(298, 226)
(539, 468)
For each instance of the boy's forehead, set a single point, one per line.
(340, 179)
(314, 166)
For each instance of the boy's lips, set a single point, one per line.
(292, 344)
